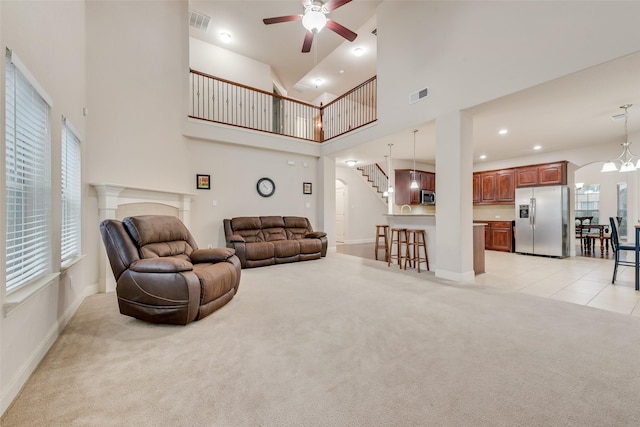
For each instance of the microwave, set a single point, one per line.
(427, 197)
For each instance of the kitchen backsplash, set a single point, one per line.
(494, 213)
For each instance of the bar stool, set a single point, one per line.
(416, 239)
(382, 231)
(398, 237)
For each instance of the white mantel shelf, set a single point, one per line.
(111, 196)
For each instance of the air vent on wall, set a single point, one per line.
(417, 96)
(199, 21)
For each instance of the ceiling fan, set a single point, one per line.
(314, 19)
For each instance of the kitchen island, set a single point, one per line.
(426, 222)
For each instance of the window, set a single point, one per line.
(621, 211)
(588, 202)
(28, 191)
(71, 206)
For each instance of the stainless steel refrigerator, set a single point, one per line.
(542, 221)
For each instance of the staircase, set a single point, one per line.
(379, 180)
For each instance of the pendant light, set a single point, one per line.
(626, 158)
(414, 183)
(390, 188)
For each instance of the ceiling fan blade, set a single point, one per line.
(279, 19)
(339, 29)
(308, 39)
(334, 4)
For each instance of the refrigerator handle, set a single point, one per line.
(532, 217)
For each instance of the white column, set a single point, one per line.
(108, 196)
(326, 199)
(391, 199)
(454, 209)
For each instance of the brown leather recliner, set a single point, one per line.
(161, 275)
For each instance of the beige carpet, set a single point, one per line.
(343, 341)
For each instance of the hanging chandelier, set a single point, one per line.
(626, 159)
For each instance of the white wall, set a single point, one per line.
(363, 207)
(234, 172)
(227, 65)
(57, 61)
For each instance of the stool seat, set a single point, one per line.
(398, 239)
(416, 240)
(382, 232)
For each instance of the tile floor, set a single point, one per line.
(579, 280)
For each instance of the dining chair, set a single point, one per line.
(617, 248)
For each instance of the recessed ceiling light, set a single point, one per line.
(225, 37)
(483, 156)
(318, 82)
(537, 147)
(358, 51)
(351, 163)
(503, 131)
(341, 72)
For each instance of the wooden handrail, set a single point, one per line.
(223, 101)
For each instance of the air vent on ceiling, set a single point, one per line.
(417, 96)
(616, 117)
(199, 21)
(299, 87)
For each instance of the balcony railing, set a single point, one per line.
(222, 101)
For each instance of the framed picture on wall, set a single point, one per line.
(306, 188)
(203, 182)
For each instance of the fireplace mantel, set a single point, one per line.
(111, 196)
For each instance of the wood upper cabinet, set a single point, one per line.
(494, 187)
(404, 195)
(477, 188)
(552, 174)
(428, 181)
(506, 186)
(546, 174)
(488, 180)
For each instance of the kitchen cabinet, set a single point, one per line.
(545, 174)
(494, 187)
(498, 235)
(477, 188)
(407, 196)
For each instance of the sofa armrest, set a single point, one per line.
(161, 265)
(236, 238)
(315, 234)
(211, 255)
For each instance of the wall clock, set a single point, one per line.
(266, 187)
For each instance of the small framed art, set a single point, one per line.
(203, 182)
(306, 188)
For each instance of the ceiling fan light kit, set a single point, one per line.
(315, 19)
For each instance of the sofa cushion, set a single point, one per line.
(286, 248)
(296, 222)
(310, 246)
(215, 280)
(160, 236)
(272, 222)
(273, 234)
(259, 250)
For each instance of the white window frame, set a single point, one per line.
(28, 177)
(71, 166)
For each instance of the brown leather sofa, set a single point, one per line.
(161, 275)
(268, 240)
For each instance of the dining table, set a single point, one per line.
(602, 229)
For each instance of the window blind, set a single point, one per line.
(28, 191)
(71, 205)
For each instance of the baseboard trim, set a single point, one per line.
(467, 276)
